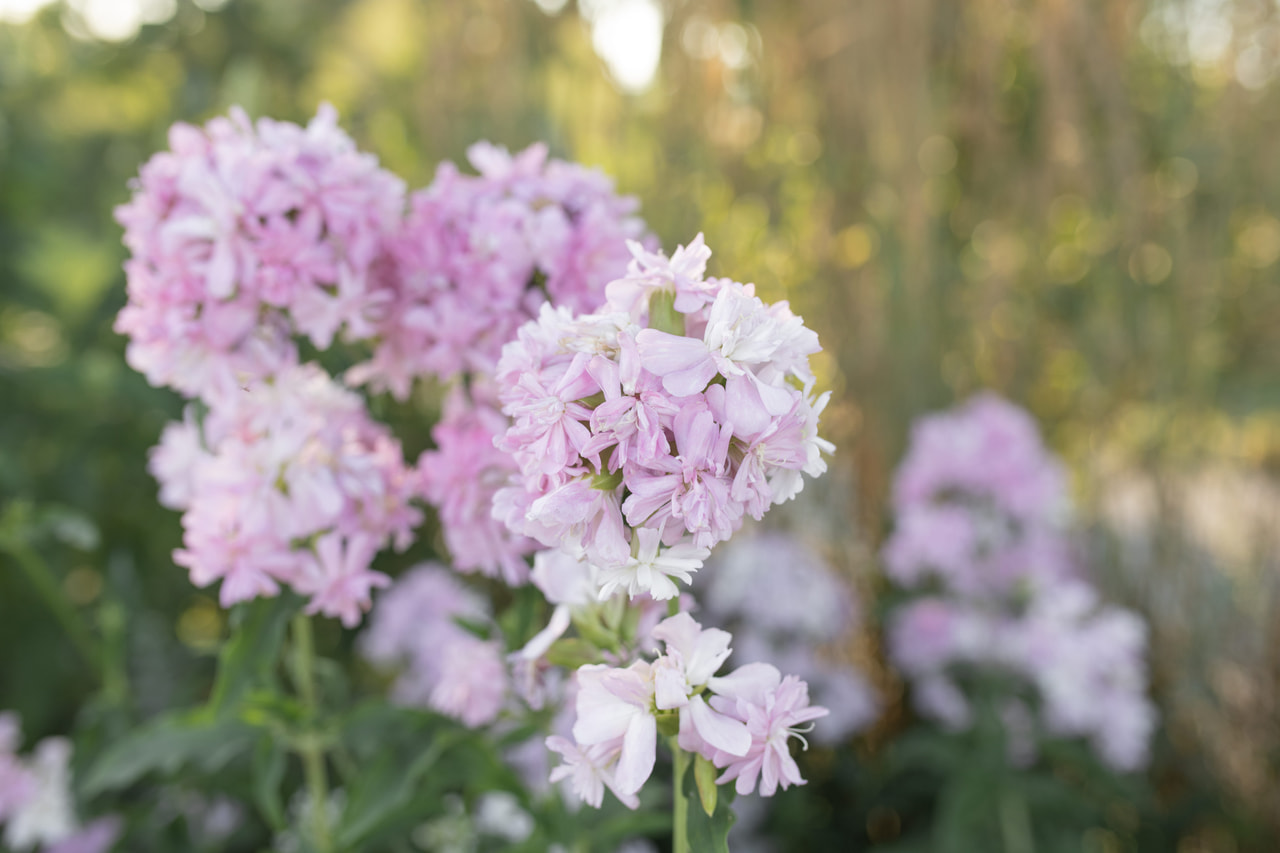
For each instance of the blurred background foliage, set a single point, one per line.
(1076, 204)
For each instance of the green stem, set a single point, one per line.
(680, 814)
(37, 571)
(309, 746)
(1015, 823)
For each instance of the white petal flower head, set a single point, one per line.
(47, 817)
(652, 567)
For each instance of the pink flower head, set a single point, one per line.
(774, 709)
(417, 627)
(478, 255)
(461, 477)
(640, 448)
(244, 235)
(291, 484)
(981, 504)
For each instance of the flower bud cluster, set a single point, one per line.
(444, 666)
(646, 432)
(478, 255)
(288, 482)
(981, 534)
(740, 722)
(245, 235)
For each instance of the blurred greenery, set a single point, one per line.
(1075, 204)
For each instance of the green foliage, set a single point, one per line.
(710, 817)
(167, 745)
(1000, 198)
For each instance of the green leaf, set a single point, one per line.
(268, 772)
(704, 772)
(386, 785)
(249, 658)
(572, 652)
(165, 745)
(709, 833)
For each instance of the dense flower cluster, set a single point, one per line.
(444, 666)
(982, 512)
(460, 478)
(782, 601)
(647, 431)
(478, 255)
(741, 722)
(980, 505)
(36, 807)
(288, 482)
(245, 235)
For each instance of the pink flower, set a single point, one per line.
(279, 465)
(461, 478)
(615, 708)
(443, 665)
(590, 771)
(339, 579)
(17, 783)
(478, 256)
(642, 449)
(244, 235)
(773, 708)
(473, 681)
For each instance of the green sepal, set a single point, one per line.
(572, 652)
(668, 723)
(704, 773)
(709, 833)
(663, 315)
(607, 482)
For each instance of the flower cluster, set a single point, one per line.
(743, 728)
(980, 504)
(645, 432)
(36, 805)
(288, 482)
(418, 626)
(243, 236)
(478, 255)
(460, 478)
(982, 511)
(782, 601)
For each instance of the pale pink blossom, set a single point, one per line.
(774, 709)
(244, 236)
(291, 484)
(478, 255)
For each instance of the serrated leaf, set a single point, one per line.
(165, 745)
(704, 773)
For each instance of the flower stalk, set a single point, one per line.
(309, 747)
(680, 808)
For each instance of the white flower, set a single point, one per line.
(47, 817)
(651, 568)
